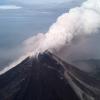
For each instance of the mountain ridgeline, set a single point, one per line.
(47, 77)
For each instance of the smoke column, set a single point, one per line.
(72, 36)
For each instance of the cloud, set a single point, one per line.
(9, 7)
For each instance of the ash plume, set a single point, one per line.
(75, 35)
(71, 36)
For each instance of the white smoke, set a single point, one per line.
(77, 25)
(12, 65)
(71, 36)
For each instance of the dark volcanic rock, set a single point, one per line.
(38, 78)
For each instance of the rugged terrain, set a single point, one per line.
(40, 78)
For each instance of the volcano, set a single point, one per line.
(47, 77)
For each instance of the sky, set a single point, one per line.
(32, 1)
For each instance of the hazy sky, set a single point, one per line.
(32, 1)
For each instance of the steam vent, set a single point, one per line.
(45, 78)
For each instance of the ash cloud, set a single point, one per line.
(73, 36)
